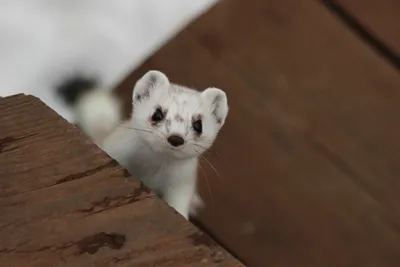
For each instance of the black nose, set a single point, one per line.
(176, 140)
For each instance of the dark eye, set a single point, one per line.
(157, 115)
(198, 126)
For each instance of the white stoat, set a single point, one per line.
(170, 127)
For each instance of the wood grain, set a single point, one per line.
(382, 18)
(308, 162)
(64, 202)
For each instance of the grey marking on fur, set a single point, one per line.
(215, 106)
(179, 118)
(168, 124)
(144, 96)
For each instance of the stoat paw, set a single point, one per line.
(196, 204)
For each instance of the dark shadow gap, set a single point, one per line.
(362, 32)
(205, 230)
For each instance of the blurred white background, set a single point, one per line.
(43, 41)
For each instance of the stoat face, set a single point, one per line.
(174, 120)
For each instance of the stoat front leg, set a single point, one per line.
(179, 196)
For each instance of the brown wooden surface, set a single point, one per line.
(63, 202)
(309, 158)
(381, 17)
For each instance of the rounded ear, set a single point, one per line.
(151, 80)
(218, 103)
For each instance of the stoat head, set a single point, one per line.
(175, 120)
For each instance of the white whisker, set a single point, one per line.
(135, 129)
(204, 149)
(208, 186)
(212, 166)
(209, 163)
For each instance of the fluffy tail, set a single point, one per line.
(96, 111)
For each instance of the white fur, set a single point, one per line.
(98, 113)
(43, 41)
(142, 147)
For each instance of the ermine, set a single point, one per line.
(169, 129)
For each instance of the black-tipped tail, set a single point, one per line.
(72, 89)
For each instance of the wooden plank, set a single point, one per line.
(65, 203)
(308, 160)
(382, 18)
